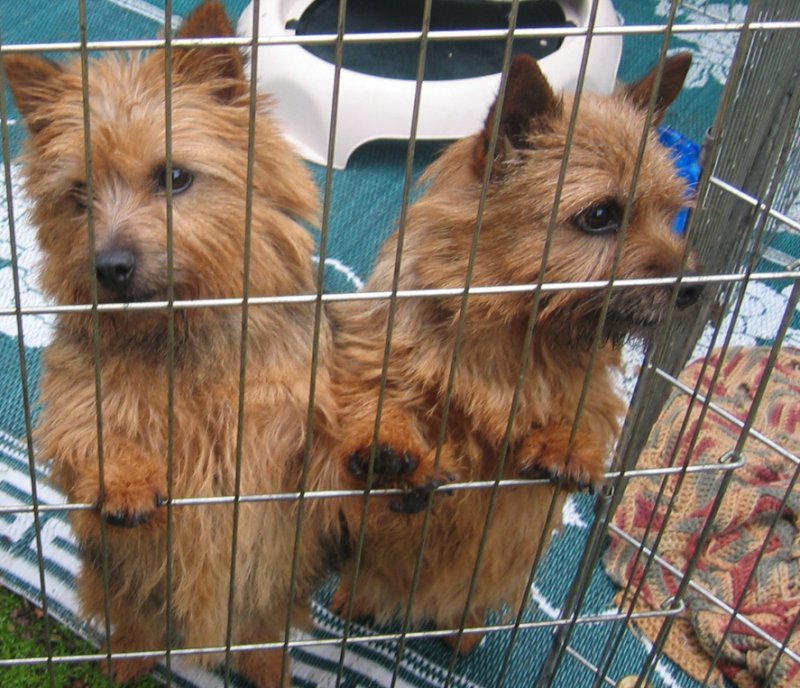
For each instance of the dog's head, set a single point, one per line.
(534, 134)
(127, 116)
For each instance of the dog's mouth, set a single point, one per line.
(631, 315)
(131, 294)
(620, 329)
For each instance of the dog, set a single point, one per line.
(196, 448)
(524, 169)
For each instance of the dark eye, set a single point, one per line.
(79, 195)
(599, 218)
(181, 179)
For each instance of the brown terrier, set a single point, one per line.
(210, 115)
(531, 145)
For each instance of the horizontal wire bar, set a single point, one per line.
(403, 294)
(755, 434)
(355, 639)
(710, 596)
(747, 198)
(223, 500)
(402, 36)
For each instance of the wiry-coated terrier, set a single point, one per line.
(127, 203)
(531, 145)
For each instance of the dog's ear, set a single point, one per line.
(528, 106)
(672, 78)
(222, 65)
(35, 82)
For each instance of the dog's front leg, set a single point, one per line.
(134, 483)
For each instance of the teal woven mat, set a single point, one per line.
(366, 200)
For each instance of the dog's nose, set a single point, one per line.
(688, 293)
(115, 268)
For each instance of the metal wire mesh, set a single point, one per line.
(747, 197)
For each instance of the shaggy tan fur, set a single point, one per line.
(210, 112)
(439, 232)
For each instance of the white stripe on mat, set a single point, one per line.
(145, 9)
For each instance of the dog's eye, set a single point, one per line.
(79, 195)
(600, 218)
(181, 179)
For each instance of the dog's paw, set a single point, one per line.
(131, 499)
(403, 469)
(576, 465)
(341, 604)
(124, 671)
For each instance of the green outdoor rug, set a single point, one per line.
(365, 204)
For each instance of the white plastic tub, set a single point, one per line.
(372, 107)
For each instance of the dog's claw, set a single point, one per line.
(415, 500)
(536, 472)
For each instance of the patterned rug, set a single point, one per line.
(365, 204)
(741, 530)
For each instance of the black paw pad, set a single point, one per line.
(389, 463)
(127, 519)
(534, 471)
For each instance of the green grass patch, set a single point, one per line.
(22, 635)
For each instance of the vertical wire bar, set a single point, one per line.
(461, 326)
(526, 348)
(169, 629)
(737, 71)
(773, 184)
(768, 679)
(648, 367)
(382, 387)
(319, 318)
(580, 586)
(610, 653)
(326, 212)
(401, 232)
(512, 640)
(243, 346)
(612, 643)
(790, 307)
(23, 372)
(410, 151)
(95, 318)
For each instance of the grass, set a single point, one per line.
(22, 635)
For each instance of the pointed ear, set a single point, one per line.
(672, 78)
(528, 105)
(35, 83)
(223, 64)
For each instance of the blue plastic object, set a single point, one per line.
(686, 155)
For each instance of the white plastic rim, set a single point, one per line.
(373, 108)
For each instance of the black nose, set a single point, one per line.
(115, 268)
(688, 293)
